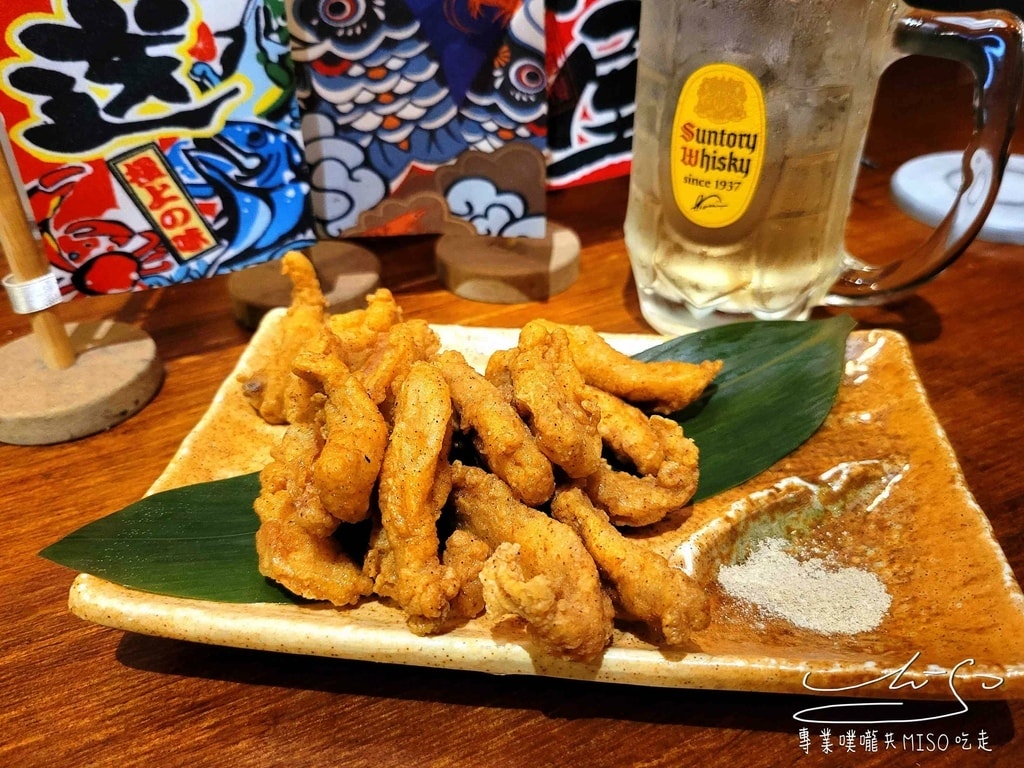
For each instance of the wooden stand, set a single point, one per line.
(115, 373)
(63, 382)
(347, 274)
(507, 270)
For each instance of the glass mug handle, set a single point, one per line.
(990, 44)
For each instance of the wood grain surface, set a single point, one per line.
(77, 694)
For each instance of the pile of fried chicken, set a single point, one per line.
(407, 474)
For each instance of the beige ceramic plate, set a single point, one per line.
(955, 625)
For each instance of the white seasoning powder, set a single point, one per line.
(810, 593)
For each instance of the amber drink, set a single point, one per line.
(749, 128)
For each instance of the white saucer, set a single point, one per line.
(925, 187)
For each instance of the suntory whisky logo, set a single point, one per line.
(717, 144)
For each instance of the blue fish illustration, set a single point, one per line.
(372, 71)
(255, 173)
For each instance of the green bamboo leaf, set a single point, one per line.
(778, 384)
(196, 541)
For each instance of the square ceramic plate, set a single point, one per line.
(877, 488)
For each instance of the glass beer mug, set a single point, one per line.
(749, 127)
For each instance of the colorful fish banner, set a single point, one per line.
(157, 140)
(592, 55)
(423, 115)
(161, 141)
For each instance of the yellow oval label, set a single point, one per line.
(717, 146)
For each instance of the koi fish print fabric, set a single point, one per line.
(157, 140)
(423, 115)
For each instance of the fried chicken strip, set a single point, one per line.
(415, 480)
(466, 554)
(357, 331)
(539, 570)
(628, 432)
(294, 542)
(267, 388)
(355, 437)
(497, 372)
(391, 357)
(645, 585)
(549, 392)
(288, 475)
(665, 386)
(307, 565)
(635, 501)
(500, 435)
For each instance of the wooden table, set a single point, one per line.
(72, 693)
